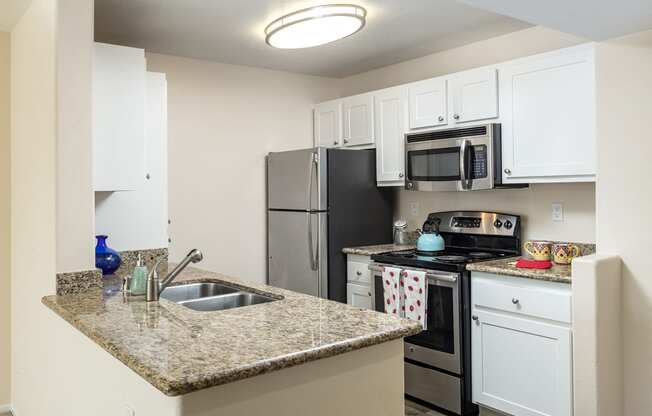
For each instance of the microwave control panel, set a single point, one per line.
(480, 161)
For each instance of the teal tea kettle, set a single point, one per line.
(429, 239)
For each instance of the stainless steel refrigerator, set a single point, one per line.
(319, 201)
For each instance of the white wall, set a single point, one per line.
(222, 121)
(74, 180)
(534, 204)
(33, 202)
(624, 198)
(5, 219)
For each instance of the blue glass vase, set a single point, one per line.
(106, 259)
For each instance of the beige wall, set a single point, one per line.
(624, 198)
(75, 202)
(5, 265)
(222, 121)
(33, 205)
(534, 203)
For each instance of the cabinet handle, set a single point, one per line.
(369, 294)
(345, 141)
(359, 273)
(411, 349)
(508, 171)
(336, 142)
(440, 118)
(515, 301)
(400, 175)
(475, 317)
(456, 116)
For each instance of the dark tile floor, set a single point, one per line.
(414, 409)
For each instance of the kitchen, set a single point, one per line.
(227, 113)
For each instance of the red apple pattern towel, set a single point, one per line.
(391, 290)
(414, 287)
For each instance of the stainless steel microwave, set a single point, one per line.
(459, 159)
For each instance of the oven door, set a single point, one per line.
(439, 344)
(459, 164)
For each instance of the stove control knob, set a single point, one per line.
(498, 223)
(508, 225)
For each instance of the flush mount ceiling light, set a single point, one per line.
(315, 26)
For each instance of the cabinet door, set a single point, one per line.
(548, 113)
(391, 114)
(118, 118)
(521, 367)
(428, 103)
(358, 119)
(328, 124)
(358, 296)
(474, 95)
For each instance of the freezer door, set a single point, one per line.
(297, 252)
(296, 180)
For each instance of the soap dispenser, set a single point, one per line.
(139, 278)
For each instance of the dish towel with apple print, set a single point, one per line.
(391, 290)
(414, 283)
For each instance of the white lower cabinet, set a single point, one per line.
(358, 276)
(358, 295)
(521, 359)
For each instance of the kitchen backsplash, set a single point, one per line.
(533, 204)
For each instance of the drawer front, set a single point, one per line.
(358, 272)
(434, 387)
(523, 296)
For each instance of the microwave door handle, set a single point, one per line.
(464, 165)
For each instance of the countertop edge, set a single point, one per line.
(525, 273)
(172, 388)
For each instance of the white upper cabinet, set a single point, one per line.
(473, 95)
(328, 124)
(547, 106)
(428, 103)
(118, 118)
(358, 120)
(391, 112)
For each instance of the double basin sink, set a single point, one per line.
(209, 296)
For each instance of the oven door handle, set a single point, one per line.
(465, 161)
(429, 275)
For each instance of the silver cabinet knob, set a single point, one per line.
(369, 294)
(515, 301)
(336, 142)
(346, 141)
(474, 317)
(456, 116)
(359, 273)
(409, 185)
(440, 118)
(411, 349)
(400, 175)
(508, 171)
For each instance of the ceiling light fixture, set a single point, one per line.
(315, 26)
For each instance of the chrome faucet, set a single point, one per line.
(155, 286)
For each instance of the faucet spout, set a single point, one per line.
(195, 256)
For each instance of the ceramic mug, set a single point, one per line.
(538, 250)
(563, 253)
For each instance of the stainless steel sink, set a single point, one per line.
(206, 297)
(179, 293)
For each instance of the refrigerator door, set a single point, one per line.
(296, 180)
(297, 251)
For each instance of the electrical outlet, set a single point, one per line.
(414, 209)
(557, 212)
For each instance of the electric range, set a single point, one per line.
(438, 360)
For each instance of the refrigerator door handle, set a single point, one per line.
(313, 251)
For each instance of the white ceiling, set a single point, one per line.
(10, 12)
(593, 19)
(231, 31)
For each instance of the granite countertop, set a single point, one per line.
(179, 350)
(557, 273)
(377, 249)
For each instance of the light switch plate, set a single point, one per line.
(414, 209)
(557, 212)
